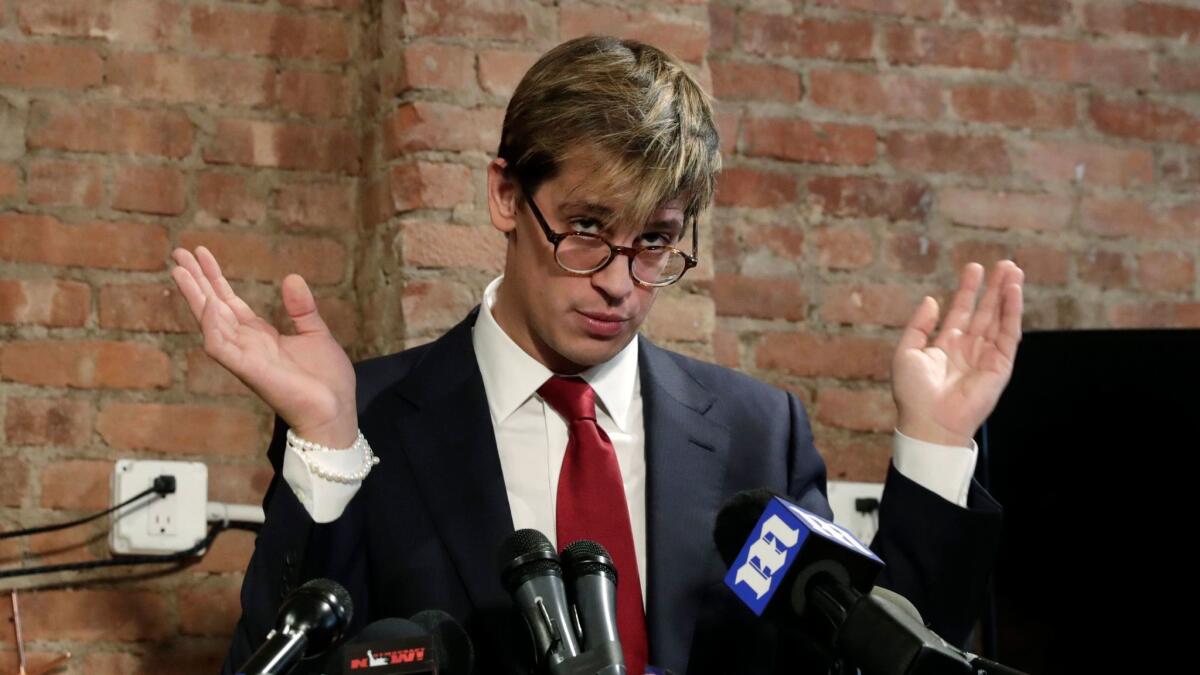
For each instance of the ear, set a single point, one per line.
(503, 195)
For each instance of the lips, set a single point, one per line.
(602, 324)
(604, 316)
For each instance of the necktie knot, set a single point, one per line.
(573, 398)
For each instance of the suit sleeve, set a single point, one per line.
(291, 549)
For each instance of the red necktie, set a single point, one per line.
(591, 505)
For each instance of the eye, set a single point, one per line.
(656, 239)
(586, 225)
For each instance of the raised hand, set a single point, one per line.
(946, 385)
(306, 378)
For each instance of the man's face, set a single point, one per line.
(565, 320)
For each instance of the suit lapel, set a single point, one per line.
(685, 462)
(450, 445)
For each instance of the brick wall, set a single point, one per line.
(872, 146)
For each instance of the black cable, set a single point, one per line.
(163, 486)
(199, 546)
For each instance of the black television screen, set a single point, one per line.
(1091, 452)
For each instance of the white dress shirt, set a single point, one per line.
(532, 439)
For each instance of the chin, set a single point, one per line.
(588, 352)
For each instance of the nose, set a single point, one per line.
(615, 280)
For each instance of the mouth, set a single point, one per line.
(602, 324)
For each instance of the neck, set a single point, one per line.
(515, 325)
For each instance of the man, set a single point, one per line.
(544, 409)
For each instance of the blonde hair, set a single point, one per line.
(629, 108)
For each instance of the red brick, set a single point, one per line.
(322, 4)
(124, 615)
(430, 307)
(35, 661)
(1155, 315)
(76, 485)
(230, 197)
(44, 302)
(86, 364)
(150, 189)
(501, 71)
(229, 553)
(50, 66)
(500, 19)
(45, 421)
(912, 253)
(70, 546)
(183, 79)
(14, 482)
(284, 145)
(1132, 217)
(292, 36)
(1105, 269)
(805, 37)
(936, 152)
(140, 22)
(1178, 167)
(1104, 16)
(1024, 12)
(801, 141)
(1178, 75)
(211, 607)
(145, 307)
(430, 185)
(810, 355)
(935, 46)
(438, 245)
(862, 197)
(867, 304)
(1005, 210)
(1083, 63)
(1146, 120)
(759, 297)
(727, 348)
(1014, 106)
(861, 457)
(262, 258)
(728, 120)
(326, 206)
(784, 241)
(754, 188)
(43, 239)
(424, 125)
(1090, 163)
(206, 376)
(315, 93)
(1156, 271)
(922, 9)
(881, 95)
(1043, 265)
(722, 22)
(681, 317)
(58, 182)
(180, 429)
(239, 483)
(177, 656)
(856, 409)
(843, 248)
(986, 253)
(1163, 20)
(341, 315)
(435, 66)
(681, 36)
(10, 180)
(733, 81)
(98, 127)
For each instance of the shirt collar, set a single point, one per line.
(511, 376)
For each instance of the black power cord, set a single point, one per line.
(162, 486)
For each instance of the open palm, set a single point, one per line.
(946, 385)
(306, 378)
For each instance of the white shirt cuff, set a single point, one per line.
(945, 470)
(324, 500)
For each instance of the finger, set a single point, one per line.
(301, 306)
(919, 329)
(212, 271)
(988, 310)
(959, 314)
(190, 290)
(1010, 322)
(187, 261)
(1015, 276)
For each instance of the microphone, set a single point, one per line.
(592, 580)
(431, 642)
(311, 619)
(532, 575)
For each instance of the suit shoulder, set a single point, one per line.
(378, 373)
(727, 382)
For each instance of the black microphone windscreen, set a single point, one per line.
(456, 655)
(524, 554)
(737, 519)
(588, 557)
(332, 592)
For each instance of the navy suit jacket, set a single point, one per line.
(422, 531)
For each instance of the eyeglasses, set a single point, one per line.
(588, 253)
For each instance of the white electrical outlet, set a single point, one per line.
(155, 524)
(842, 495)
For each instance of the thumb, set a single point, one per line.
(301, 307)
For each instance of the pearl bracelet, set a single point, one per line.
(304, 450)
